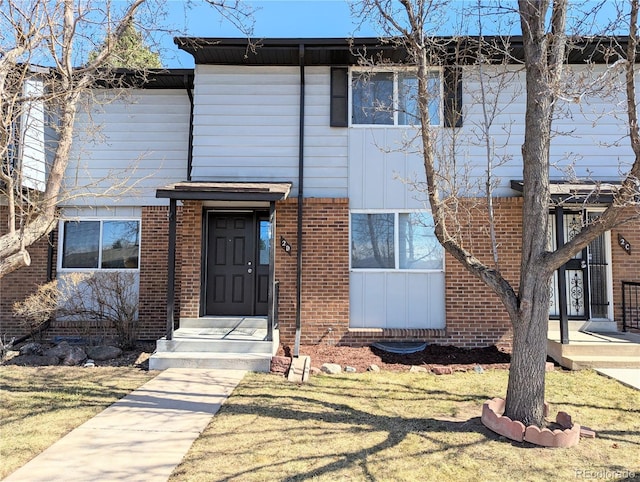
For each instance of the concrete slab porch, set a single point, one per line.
(588, 349)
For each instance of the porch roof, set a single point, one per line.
(578, 192)
(225, 191)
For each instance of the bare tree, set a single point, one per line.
(546, 44)
(52, 54)
(45, 33)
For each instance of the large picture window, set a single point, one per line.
(403, 241)
(101, 244)
(391, 98)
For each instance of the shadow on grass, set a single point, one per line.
(342, 419)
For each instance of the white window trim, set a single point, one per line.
(396, 240)
(395, 71)
(59, 267)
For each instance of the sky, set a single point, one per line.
(273, 19)
(333, 18)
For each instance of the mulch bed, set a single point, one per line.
(459, 359)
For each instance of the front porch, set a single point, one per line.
(592, 347)
(218, 342)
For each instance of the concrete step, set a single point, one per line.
(578, 362)
(258, 322)
(582, 325)
(195, 345)
(594, 349)
(226, 361)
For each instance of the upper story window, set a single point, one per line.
(390, 98)
(101, 244)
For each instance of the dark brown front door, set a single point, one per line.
(233, 281)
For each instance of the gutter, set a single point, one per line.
(190, 145)
(296, 349)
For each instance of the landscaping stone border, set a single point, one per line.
(493, 419)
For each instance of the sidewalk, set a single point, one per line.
(627, 376)
(141, 437)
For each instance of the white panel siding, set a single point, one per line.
(138, 141)
(246, 128)
(382, 175)
(590, 142)
(32, 126)
(397, 300)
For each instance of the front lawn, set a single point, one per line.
(408, 426)
(40, 405)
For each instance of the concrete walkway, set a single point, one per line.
(141, 437)
(627, 376)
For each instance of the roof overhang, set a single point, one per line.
(591, 192)
(351, 51)
(225, 191)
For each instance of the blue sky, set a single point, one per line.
(332, 18)
(273, 18)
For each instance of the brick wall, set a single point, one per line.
(475, 315)
(154, 239)
(625, 267)
(325, 272)
(189, 258)
(18, 285)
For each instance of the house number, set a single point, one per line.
(626, 245)
(284, 244)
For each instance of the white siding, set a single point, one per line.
(246, 128)
(136, 142)
(397, 300)
(32, 128)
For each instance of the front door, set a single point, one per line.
(586, 275)
(236, 277)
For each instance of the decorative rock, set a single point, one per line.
(586, 432)
(478, 369)
(417, 369)
(373, 368)
(280, 364)
(315, 371)
(103, 352)
(31, 349)
(564, 420)
(33, 360)
(331, 368)
(61, 350)
(75, 357)
(349, 369)
(442, 370)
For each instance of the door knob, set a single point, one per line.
(250, 270)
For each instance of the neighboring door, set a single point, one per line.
(235, 281)
(586, 274)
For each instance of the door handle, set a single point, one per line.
(250, 270)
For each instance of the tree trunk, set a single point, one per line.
(525, 390)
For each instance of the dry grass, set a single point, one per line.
(40, 405)
(401, 426)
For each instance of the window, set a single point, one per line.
(390, 98)
(394, 241)
(112, 244)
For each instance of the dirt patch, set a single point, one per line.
(459, 359)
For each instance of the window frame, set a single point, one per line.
(396, 242)
(101, 220)
(396, 71)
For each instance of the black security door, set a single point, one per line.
(234, 281)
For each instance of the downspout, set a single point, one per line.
(190, 145)
(296, 348)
